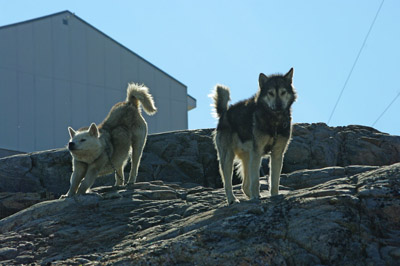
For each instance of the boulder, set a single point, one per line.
(12, 202)
(316, 146)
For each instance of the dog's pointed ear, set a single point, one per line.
(72, 132)
(93, 130)
(289, 75)
(262, 79)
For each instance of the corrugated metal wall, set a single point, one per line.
(58, 71)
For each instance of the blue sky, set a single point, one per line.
(202, 43)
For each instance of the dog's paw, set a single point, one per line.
(274, 193)
(246, 192)
(233, 201)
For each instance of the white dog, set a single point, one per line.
(104, 149)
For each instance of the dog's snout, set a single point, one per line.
(71, 145)
(278, 105)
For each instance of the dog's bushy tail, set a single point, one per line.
(139, 93)
(221, 97)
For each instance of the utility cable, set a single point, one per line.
(384, 111)
(355, 62)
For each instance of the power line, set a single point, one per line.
(355, 61)
(384, 111)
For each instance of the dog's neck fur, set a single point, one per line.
(89, 157)
(271, 122)
(86, 157)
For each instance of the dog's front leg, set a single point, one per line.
(275, 171)
(89, 179)
(79, 171)
(119, 176)
(76, 178)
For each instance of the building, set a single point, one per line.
(58, 71)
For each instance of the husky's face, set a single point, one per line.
(85, 145)
(277, 91)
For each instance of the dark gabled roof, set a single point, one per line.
(73, 14)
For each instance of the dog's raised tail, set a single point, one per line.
(221, 97)
(139, 93)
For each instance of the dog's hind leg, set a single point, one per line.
(245, 173)
(226, 158)
(137, 150)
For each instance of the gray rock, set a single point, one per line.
(12, 202)
(317, 145)
(189, 156)
(309, 178)
(16, 176)
(7, 253)
(349, 218)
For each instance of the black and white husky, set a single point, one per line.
(253, 128)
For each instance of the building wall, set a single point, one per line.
(59, 71)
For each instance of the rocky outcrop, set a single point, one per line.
(338, 205)
(333, 216)
(317, 145)
(189, 156)
(12, 202)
